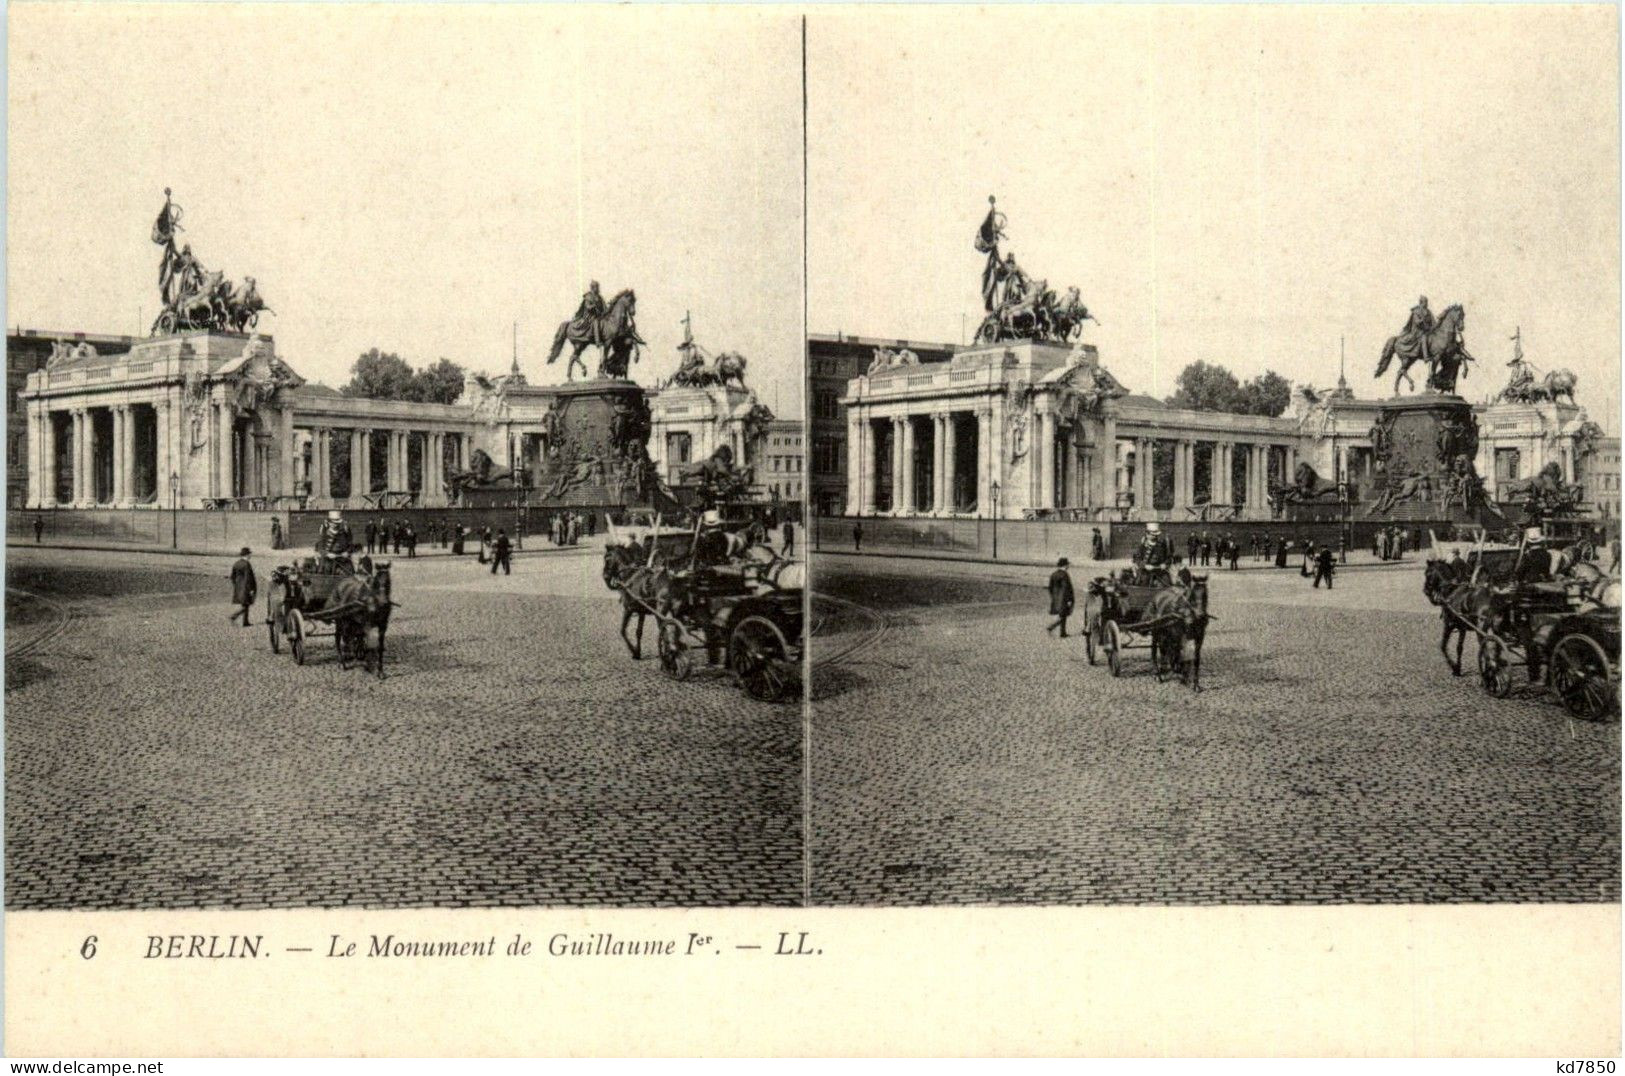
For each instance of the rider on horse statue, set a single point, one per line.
(587, 314)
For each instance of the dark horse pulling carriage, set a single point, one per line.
(324, 595)
(1171, 617)
(1564, 631)
(711, 593)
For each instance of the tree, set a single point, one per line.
(1203, 386)
(384, 375)
(379, 375)
(440, 383)
(1267, 394)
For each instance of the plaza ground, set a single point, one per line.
(961, 755)
(157, 756)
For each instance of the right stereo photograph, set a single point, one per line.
(1213, 422)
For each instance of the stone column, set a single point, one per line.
(937, 499)
(866, 461)
(76, 454)
(1291, 464)
(33, 497)
(950, 457)
(366, 461)
(986, 469)
(115, 494)
(48, 495)
(1046, 461)
(910, 504)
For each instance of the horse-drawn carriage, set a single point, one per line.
(717, 600)
(1170, 618)
(324, 596)
(1564, 631)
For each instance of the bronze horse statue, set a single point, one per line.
(1444, 352)
(614, 333)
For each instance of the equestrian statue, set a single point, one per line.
(1435, 342)
(611, 328)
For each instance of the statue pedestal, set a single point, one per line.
(1424, 447)
(595, 450)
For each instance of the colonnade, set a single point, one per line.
(397, 465)
(108, 462)
(1223, 458)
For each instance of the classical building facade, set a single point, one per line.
(28, 351)
(833, 360)
(210, 419)
(1026, 429)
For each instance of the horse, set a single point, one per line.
(729, 366)
(606, 332)
(1444, 347)
(1176, 645)
(1069, 314)
(1559, 383)
(362, 605)
(243, 313)
(645, 586)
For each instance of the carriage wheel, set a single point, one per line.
(296, 636)
(757, 655)
(1579, 676)
(1494, 674)
(675, 660)
(1114, 648)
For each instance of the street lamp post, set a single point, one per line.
(993, 489)
(174, 510)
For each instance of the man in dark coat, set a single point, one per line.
(1060, 596)
(372, 536)
(411, 540)
(1235, 554)
(501, 550)
(857, 536)
(244, 587)
(1097, 545)
(789, 532)
(39, 528)
(1280, 551)
(1324, 565)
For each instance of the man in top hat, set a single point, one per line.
(244, 586)
(333, 539)
(1097, 545)
(1060, 597)
(1154, 549)
(1535, 562)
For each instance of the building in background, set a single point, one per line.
(783, 470)
(1601, 477)
(28, 350)
(832, 362)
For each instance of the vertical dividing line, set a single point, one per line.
(806, 442)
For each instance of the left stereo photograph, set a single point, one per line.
(405, 458)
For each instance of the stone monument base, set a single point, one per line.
(595, 451)
(1424, 449)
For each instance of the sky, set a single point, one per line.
(1257, 187)
(415, 179)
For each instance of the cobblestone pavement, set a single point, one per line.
(961, 755)
(515, 755)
